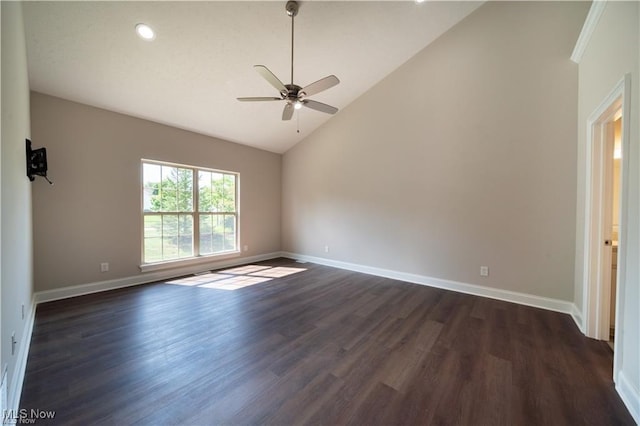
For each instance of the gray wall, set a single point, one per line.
(465, 156)
(612, 52)
(16, 285)
(93, 212)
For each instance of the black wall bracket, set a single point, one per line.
(36, 162)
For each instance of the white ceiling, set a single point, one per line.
(203, 54)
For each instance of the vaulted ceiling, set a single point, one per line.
(203, 55)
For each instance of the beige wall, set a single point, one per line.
(92, 213)
(612, 52)
(16, 285)
(465, 156)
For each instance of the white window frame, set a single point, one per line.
(195, 214)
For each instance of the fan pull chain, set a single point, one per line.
(298, 121)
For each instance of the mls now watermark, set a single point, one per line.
(25, 416)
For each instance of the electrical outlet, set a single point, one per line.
(326, 249)
(13, 343)
(484, 271)
(245, 248)
(104, 267)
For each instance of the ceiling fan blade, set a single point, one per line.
(258, 99)
(271, 78)
(287, 112)
(319, 106)
(320, 85)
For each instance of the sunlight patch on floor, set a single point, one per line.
(197, 280)
(246, 269)
(277, 272)
(236, 278)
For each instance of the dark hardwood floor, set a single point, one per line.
(314, 346)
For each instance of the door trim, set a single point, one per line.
(595, 311)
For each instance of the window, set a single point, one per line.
(187, 212)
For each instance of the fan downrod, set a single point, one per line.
(292, 8)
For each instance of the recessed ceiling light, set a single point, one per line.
(145, 32)
(419, 1)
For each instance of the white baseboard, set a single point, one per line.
(492, 293)
(17, 379)
(476, 290)
(576, 314)
(629, 395)
(82, 289)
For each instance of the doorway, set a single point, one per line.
(605, 216)
(612, 203)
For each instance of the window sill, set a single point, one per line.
(149, 267)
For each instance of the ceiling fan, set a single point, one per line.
(295, 96)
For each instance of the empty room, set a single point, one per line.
(320, 212)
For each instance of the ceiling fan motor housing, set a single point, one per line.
(293, 91)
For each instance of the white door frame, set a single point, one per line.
(596, 290)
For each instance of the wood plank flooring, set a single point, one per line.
(316, 345)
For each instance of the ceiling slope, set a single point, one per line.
(203, 55)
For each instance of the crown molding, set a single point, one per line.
(597, 8)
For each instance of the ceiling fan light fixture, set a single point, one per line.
(145, 32)
(297, 104)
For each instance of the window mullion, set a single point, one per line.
(162, 236)
(236, 201)
(196, 213)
